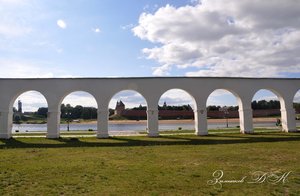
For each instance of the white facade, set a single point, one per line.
(103, 89)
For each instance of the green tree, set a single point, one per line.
(42, 111)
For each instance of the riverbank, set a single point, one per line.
(181, 121)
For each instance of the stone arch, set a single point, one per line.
(190, 112)
(273, 113)
(67, 116)
(226, 112)
(120, 102)
(14, 99)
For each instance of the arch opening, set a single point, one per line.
(266, 106)
(296, 106)
(176, 112)
(127, 113)
(78, 113)
(29, 113)
(223, 111)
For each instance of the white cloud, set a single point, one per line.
(224, 38)
(26, 69)
(13, 2)
(80, 98)
(13, 30)
(61, 23)
(297, 97)
(129, 98)
(176, 97)
(31, 101)
(162, 70)
(96, 30)
(264, 94)
(133, 99)
(221, 97)
(14, 15)
(129, 26)
(59, 50)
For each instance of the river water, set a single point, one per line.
(130, 128)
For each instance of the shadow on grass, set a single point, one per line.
(146, 141)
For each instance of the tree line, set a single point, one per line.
(67, 111)
(256, 105)
(166, 107)
(80, 112)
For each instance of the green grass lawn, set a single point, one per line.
(167, 165)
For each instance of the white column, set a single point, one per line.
(200, 116)
(6, 124)
(53, 123)
(152, 122)
(246, 120)
(288, 119)
(102, 123)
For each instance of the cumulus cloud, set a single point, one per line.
(61, 23)
(224, 38)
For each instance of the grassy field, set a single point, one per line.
(167, 165)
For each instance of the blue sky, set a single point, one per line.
(96, 39)
(92, 38)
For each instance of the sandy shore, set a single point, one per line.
(178, 121)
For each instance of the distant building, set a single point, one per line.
(120, 107)
(164, 113)
(165, 105)
(20, 107)
(188, 113)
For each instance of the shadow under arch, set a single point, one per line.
(226, 111)
(188, 114)
(20, 93)
(271, 113)
(83, 93)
